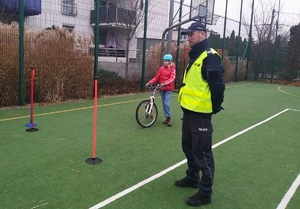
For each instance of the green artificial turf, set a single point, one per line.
(47, 168)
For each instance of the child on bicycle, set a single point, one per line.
(165, 77)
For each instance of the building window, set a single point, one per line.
(183, 37)
(69, 7)
(70, 28)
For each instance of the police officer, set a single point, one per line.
(200, 96)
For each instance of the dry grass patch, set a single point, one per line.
(61, 70)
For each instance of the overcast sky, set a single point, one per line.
(289, 13)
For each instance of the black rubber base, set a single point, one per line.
(93, 161)
(32, 129)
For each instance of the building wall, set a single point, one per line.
(134, 69)
(52, 15)
(158, 19)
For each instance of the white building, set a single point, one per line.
(79, 16)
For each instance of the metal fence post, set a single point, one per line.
(144, 46)
(21, 52)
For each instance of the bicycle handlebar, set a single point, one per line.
(151, 86)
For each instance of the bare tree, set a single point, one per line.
(263, 20)
(264, 36)
(292, 70)
(132, 25)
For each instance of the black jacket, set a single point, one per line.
(212, 72)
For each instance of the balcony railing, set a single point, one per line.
(108, 52)
(114, 14)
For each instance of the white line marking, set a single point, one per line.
(287, 197)
(295, 110)
(142, 183)
(247, 129)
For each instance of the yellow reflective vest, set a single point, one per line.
(195, 94)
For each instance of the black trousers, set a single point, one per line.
(197, 147)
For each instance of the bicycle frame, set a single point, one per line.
(151, 99)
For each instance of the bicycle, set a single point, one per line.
(146, 111)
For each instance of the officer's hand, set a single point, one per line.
(217, 109)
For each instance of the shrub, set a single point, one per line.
(110, 83)
(64, 69)
(61, 71)
(106, 77)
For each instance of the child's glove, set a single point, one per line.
(162, 85)
(147, 85)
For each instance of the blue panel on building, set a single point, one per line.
(31, 7)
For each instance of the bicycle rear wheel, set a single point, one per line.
(143, 119)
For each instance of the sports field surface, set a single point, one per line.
(256, 147)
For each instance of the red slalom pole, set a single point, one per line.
(32, 96)
(95, 119)
(32, 125)
(94, 160)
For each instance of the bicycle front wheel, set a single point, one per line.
(142, 118)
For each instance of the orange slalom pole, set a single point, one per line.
(32, 92)
(95, 118)
(94, 160)
(32, 125)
